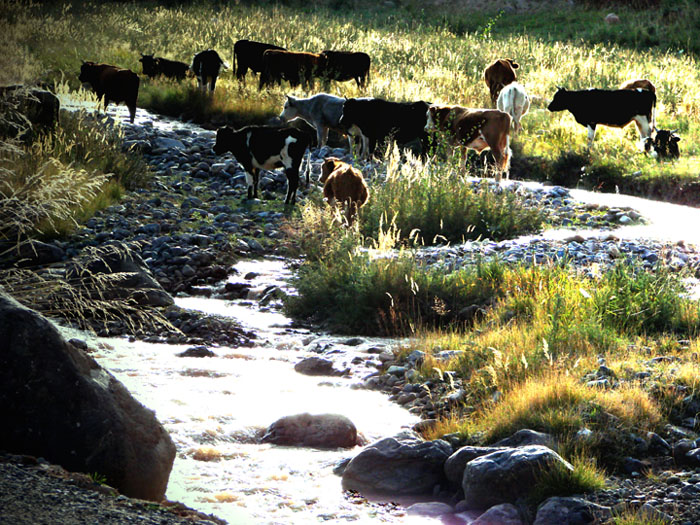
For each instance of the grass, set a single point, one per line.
(561, 481)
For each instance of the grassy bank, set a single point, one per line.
(434, 53)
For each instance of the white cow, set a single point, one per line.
(513, 100)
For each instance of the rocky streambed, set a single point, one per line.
(188, 226)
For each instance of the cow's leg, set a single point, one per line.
(132, 111)
(292, 184)
(644, 128)
(322, 135)
(200, 83)
(250, 182)
(591, 135)
(256, 180)
(212, 84)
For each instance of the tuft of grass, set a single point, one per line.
(585, 477)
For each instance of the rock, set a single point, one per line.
(66, 408)
(400, 465)
(570, 511)
(527, 437)
(316, 366)
(507, 475)
(30, 253)
(132, 278)
(612, 18)
(455, 464)
(167, 143)
(503, 514)
(429, 508)
(318, 431)
(197, 351)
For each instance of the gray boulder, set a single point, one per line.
(66, 408)
(455, 464)
(526, 437)
(571, 511)
(507, 475)
(318, 431)
(429, 508)
(403, 464)
(316, 366)
(129, 276)
(503, 514)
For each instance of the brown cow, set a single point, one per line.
(500, 74)
(112, 84)
(640, 83)
(344, 184)
(291, 66)
(475, 129)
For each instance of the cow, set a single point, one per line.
(206, 66)
(475, 129)
(343, 184)
(513, 100)
(248, 54)
(291, 66)
(498, 75)
(112, 84)
(154, 66)
(615, 108)
(664, 145)
(267, 148)
(376, 120)
(640, 83)
(322, 111)
(346, 65)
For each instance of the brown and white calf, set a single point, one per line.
(498, 75)
(266, 148)
(343, 184)
(476, 129)
(513, 100)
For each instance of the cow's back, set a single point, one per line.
(611, 107)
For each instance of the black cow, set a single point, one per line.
(664, 145)
(346, 65)
(375, 120)
(265, 147)
(615, 108)
(248, 54)
(154, 66)
(206, 66)
(112, 84)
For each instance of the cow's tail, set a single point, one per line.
(653, 112)
(308, 167)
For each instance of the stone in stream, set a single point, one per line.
(507, 475)
(400, 465)
(317, 431)
(503, 514)
(65, 407)
(317, 366)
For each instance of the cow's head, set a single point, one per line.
(88, 72)
(290, 111)
(148, 62)
(329, 166)
(664, 145)
(347, 118)
(224, 140)
(559, 102)
(512, 63)
(437, 116)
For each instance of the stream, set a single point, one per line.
(216, 408)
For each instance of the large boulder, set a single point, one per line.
(317, 366)
(507, 475)
(318, 431)
(526, 437)
(129, 276)
(404, 464)
(457, 462)
(571, 511)
(60, 404)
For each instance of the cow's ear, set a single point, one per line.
(675, 138)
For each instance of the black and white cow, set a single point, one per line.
(664, 145)
(267, 148)
(615, 108)
(205, 66)
(376, 120)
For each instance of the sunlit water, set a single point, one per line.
(215, 408)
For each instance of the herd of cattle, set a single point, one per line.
(371, 120)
